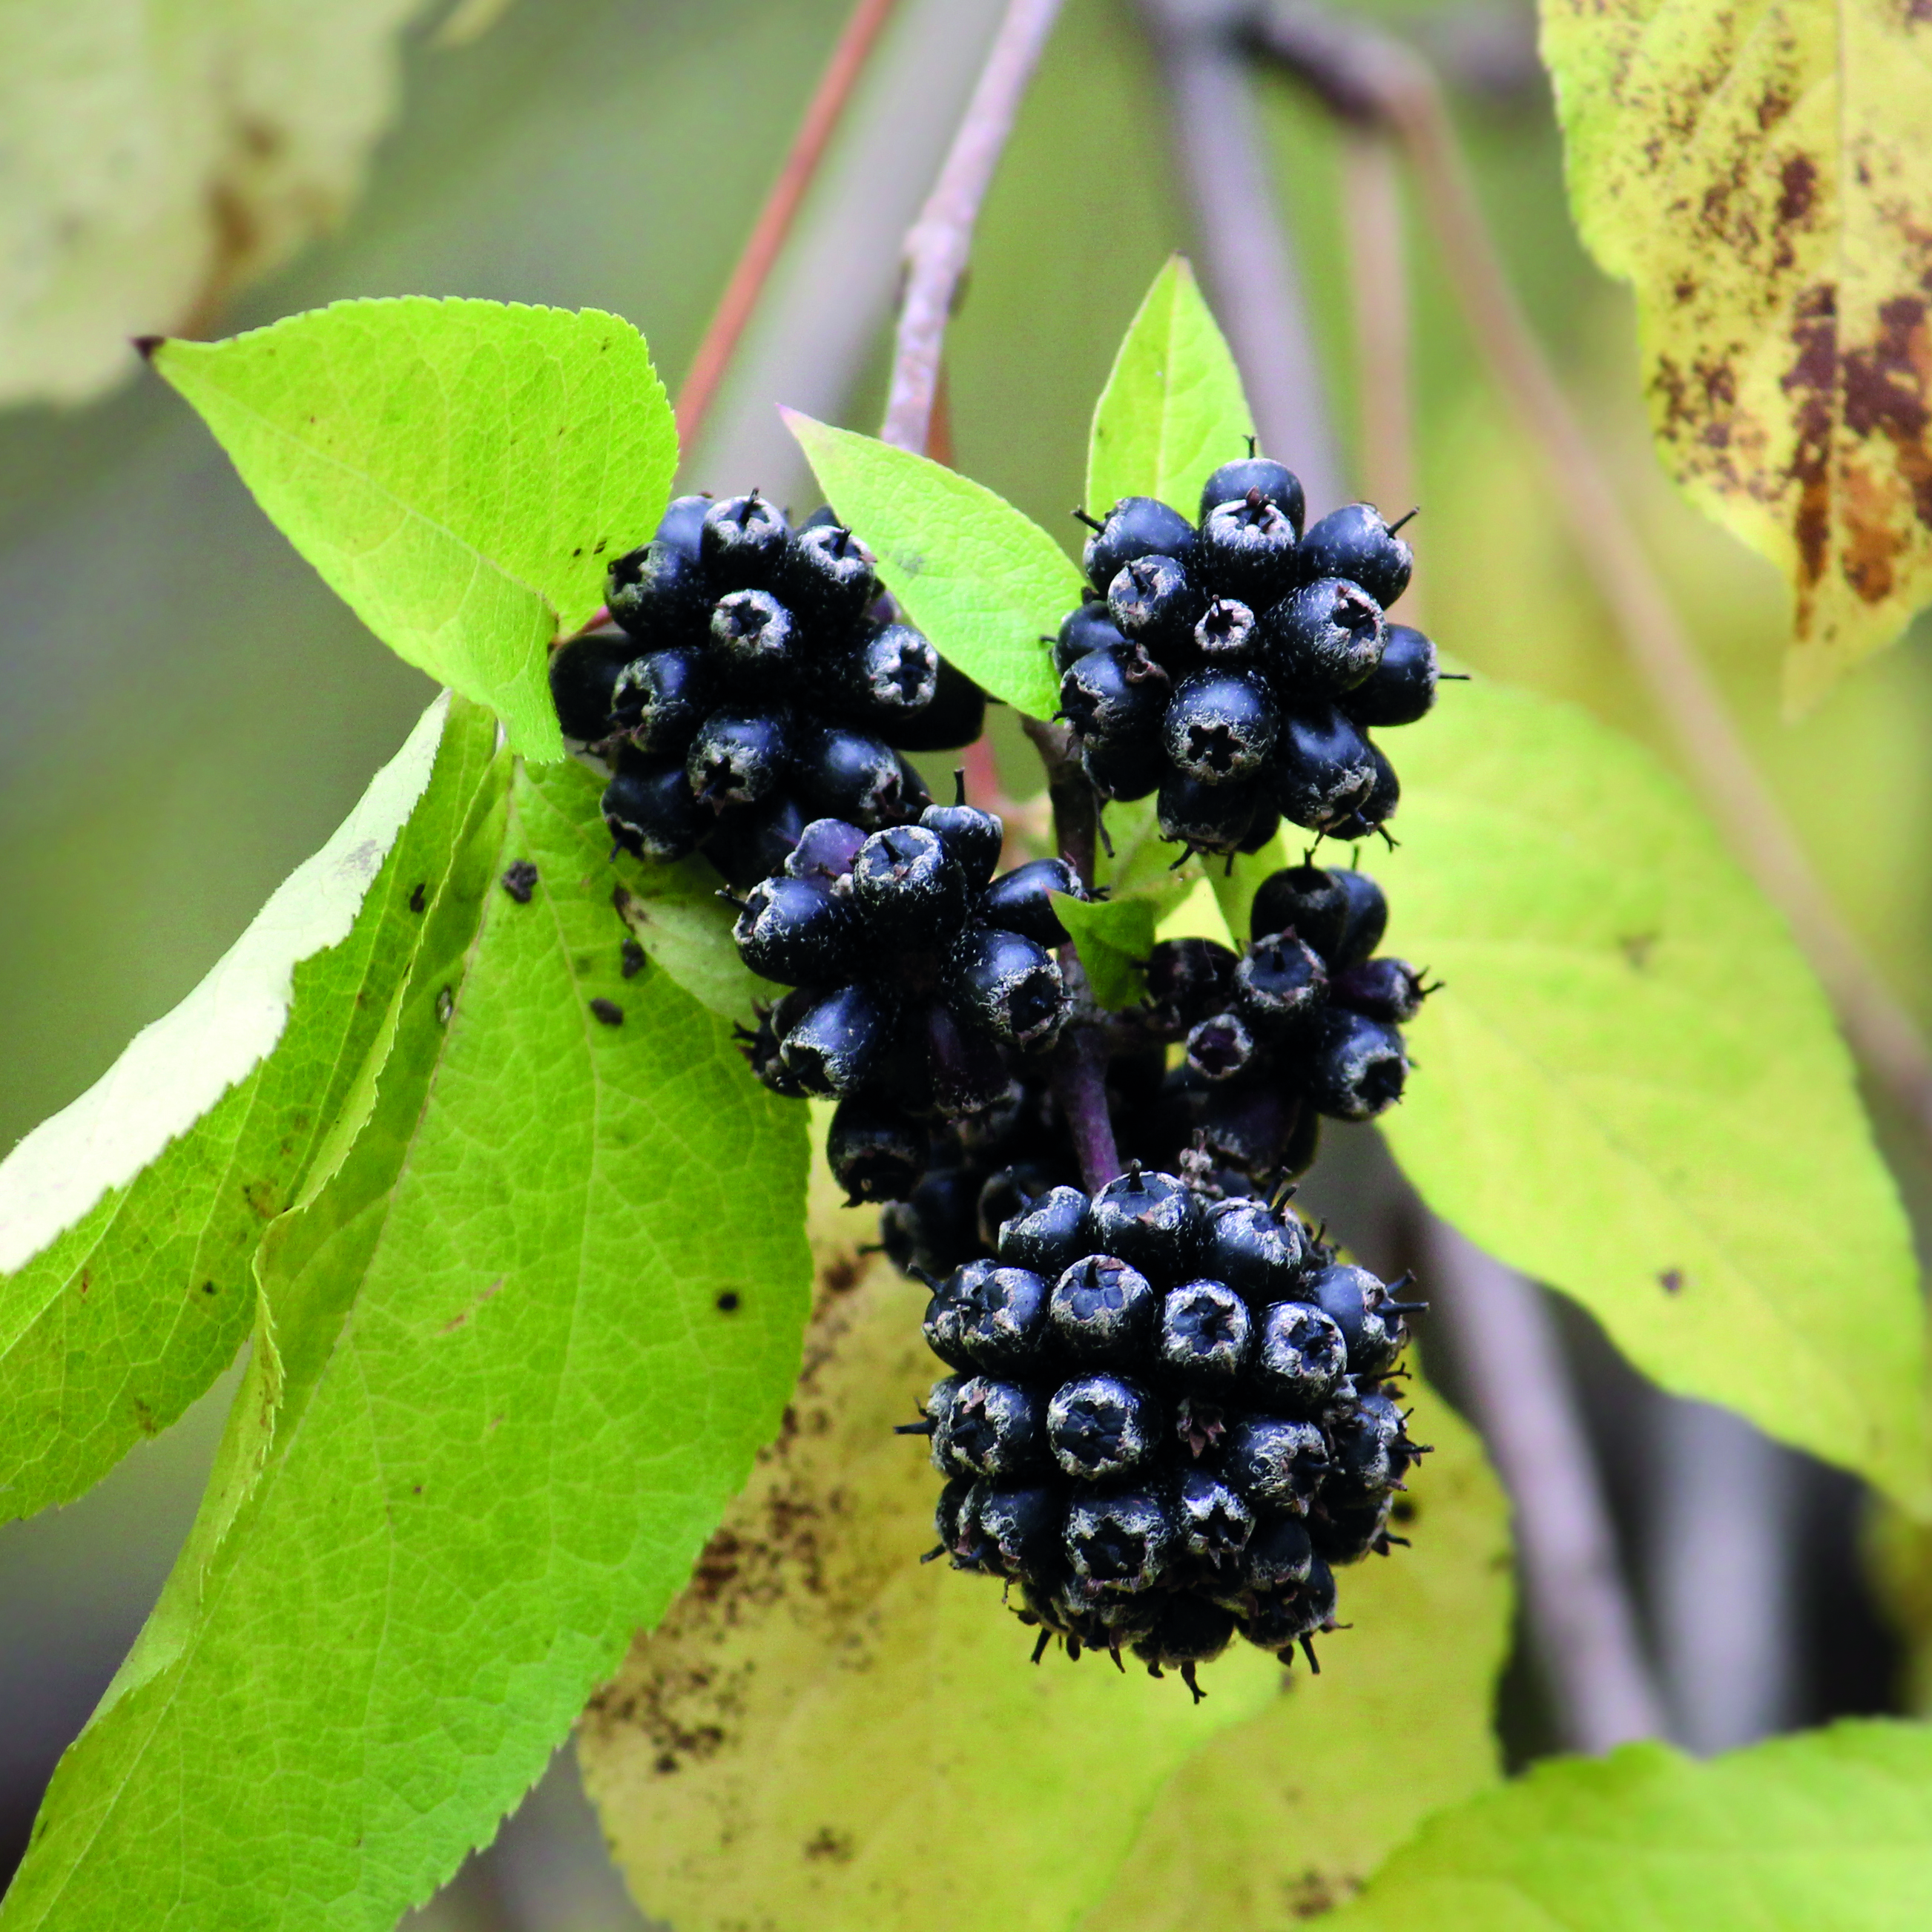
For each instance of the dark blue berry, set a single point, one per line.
(1323, 770)
(1246, 549)
(584, 675)
(1280, 988)
(1276, 483)
(849, 774)
(1300, 1356)
(1305, 900)
(973, 837)
(1124, 1543)
(661, 698)
(1214, 1524)
(1345, 1532)
(825, 850)
(1156, 603)
(1087, 627)
(1207, 818)
(1364, 921)
(1229, 632)
(954, 1301)
(1377, 807)
(934, 1229)
(1356, 542)
(1205, 1334)
(1358, 1068)
(1008, 984)
(1324, 639)
(1359, 1305)
(1401, 689)
(1222, 1046)
(797, 932)
(1278, 1557)
(1125, 768)
(1220, 726)
(909, 888)
(1136, 527)
(1259, 1254)
(1253, 1127)
(755, 638)
(1115, 693)
(875, 1152)
(1189, 1631)
(887, 678)
(1388, 990)
(837, 1040)
(992, 1428)
(1150, 1220)
(1101, 1426)
(738, 757)
(744, 541)
(1006, 1322)
(682, 523)
(1188, 979)
(1103, 1312)
(952, 1523)
(658, 594)
(1022, 1527)
(827, 576)
(759, 1046)
(949, 1066)
(1049, 1236)
(1372, 1449)
(1275, 1463)
(650, 809)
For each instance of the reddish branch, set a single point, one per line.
(768, 236)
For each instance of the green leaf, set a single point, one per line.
(1633, 1089)
(985, 584)
(526, 1341)
(1114, 937)
(128, 1221)
(1173, 411)
(460, 472)
(1762, 176)
(1830, 1831)
(827, 1732)
(1268, 1824)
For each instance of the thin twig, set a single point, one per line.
(1580, 1619)
(1365, 75)
(1247, 260)
(940, 241)
(767, 239)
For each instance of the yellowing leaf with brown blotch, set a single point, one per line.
(1763, 174)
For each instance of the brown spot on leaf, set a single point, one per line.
(1671, 1280)
(828, 1846)
(1798, 188)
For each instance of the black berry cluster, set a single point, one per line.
(1237, 667)
(1304, 1021)
(1169, 1419)
(920, 981)
(757, 678)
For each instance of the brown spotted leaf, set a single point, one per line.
(1762, 175)
(826, 1733)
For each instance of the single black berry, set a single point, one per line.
(848, 774)
(743, 540)
(1357, 542)
(1389, 990)
(1280, 988)
(956, 715)
(1278, 1556)
(1151, 1220)
(1125, 768)
(1205, 816)
(1324, 770)
(1261, 1255)
(837, 1040)
(584, 674)
(990, 1428)
(658, 593)
(1246, 549)
(1300, 1355)
(1006, 1320)
(909, 888)
(1009, 985)
(661, 698)
(1103, 1312)
(1205, 1333)
(1359, 1066)
(1156, 603)
(974, 838)
(1115, 693)
(1087, 627)
(1401, 689)
(1324, 639)
(737, 758)
(827, 576)
(650, 809)
(1362, 1308)
(1220, 726)
(1187, 979)
(1378, 804)
(1049, 1235)
(797, 932)
(825, 850)
(1136, 527)
(1276, 482)
(751, 842)
(754, 636)
(1229, 632)
(1222, 1046)
(1022, 901)
(942, 1062)
(875, 1152)
(1124, 1543)
(1213, 1522)
(1102, 1427)
(1020, 1527)
(1274, 1462)
(682, 523)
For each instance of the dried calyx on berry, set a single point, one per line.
(1234, 668)
(1168, 1419)
(1303, 1022)
(756, 677)
(921, 982)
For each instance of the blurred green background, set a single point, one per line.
(188, 711)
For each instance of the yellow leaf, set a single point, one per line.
(825, 1733)
(1763, 174)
